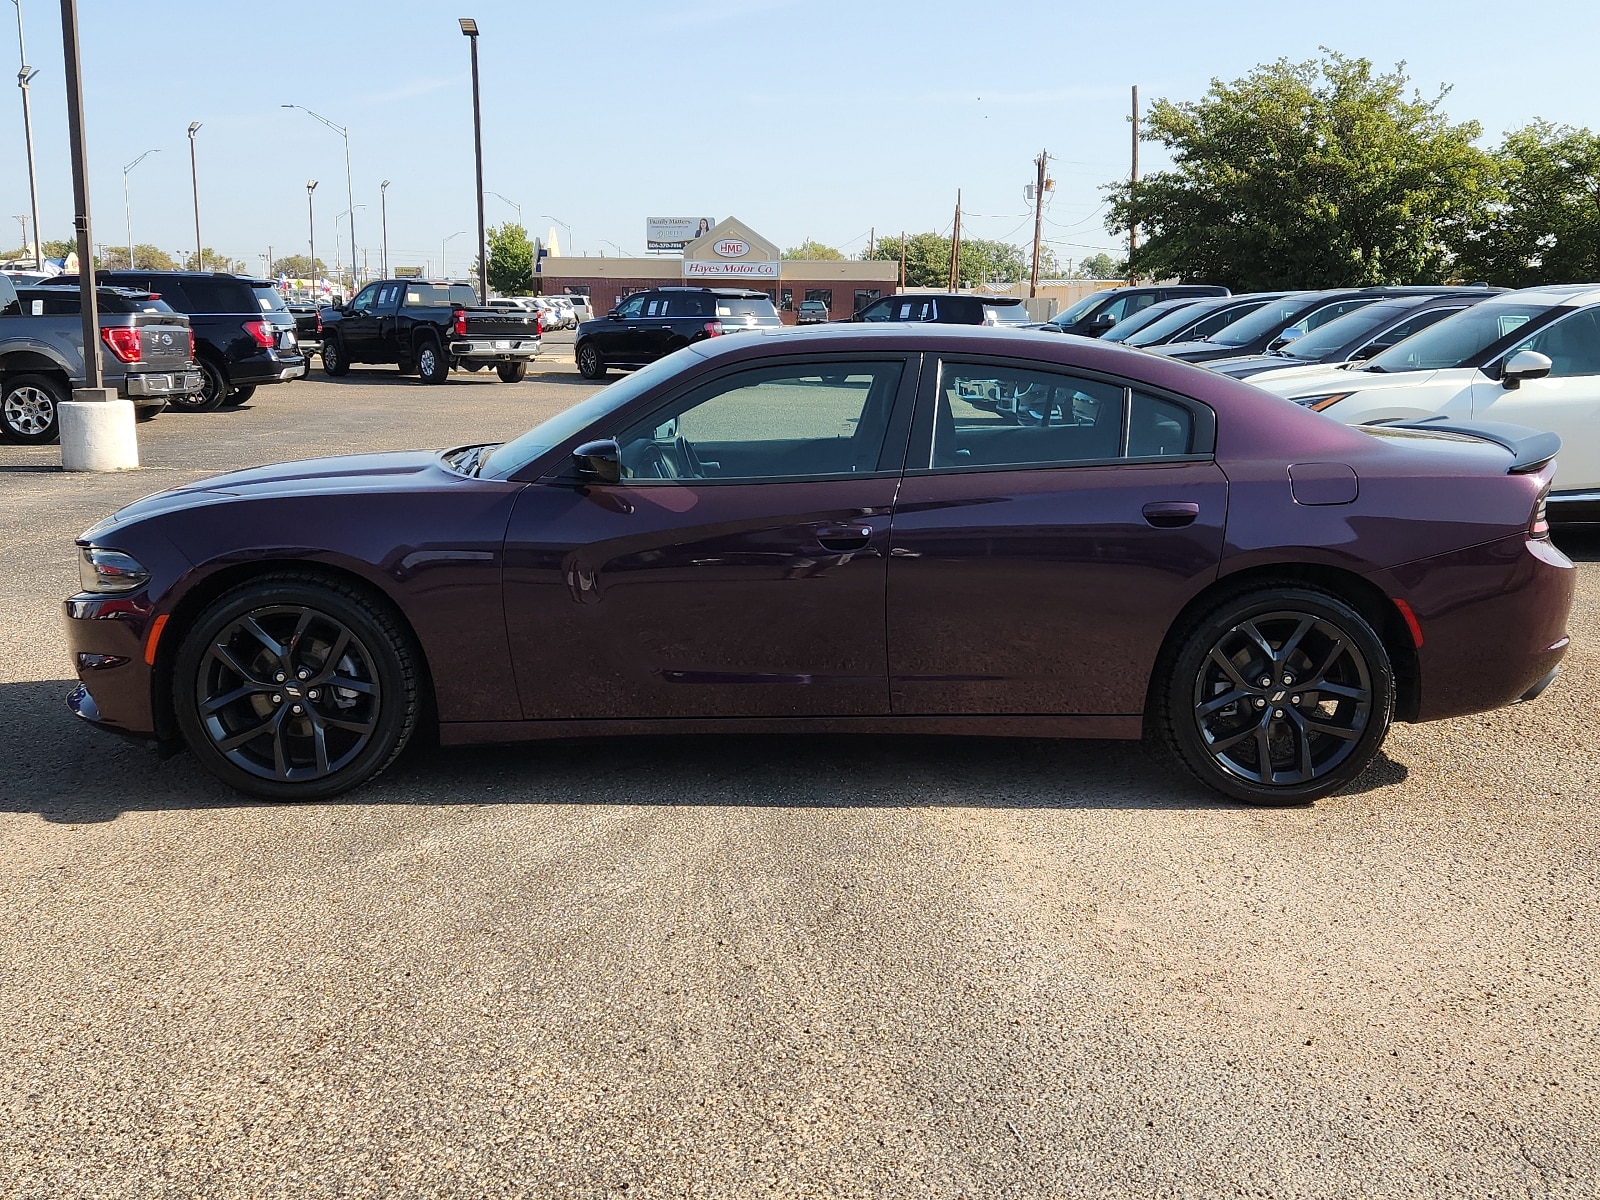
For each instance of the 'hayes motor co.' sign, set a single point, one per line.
(731, 248)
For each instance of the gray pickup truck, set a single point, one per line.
(146, 354)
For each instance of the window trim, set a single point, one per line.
(920, 444)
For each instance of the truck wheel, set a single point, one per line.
(239, 395)
(30, 409)
(590, 364)
(432, 363)
(215, 391)
(333, 361)
(512, 372)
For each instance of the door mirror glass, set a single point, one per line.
(1104, 321)
(598, 462)
(1524, 364)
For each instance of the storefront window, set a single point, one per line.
(786, 304)
(823, 294)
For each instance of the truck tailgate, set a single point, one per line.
(163, 342)
(488, 323)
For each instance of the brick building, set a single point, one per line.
(730, 255)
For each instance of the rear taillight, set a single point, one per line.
(191, 345)
(538, 325)
(460, 323)
(1539, 526)
(123, 342)
(319, 322)
(265, 335)
(713, 328)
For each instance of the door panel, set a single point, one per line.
(700, 600)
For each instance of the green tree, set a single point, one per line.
(145, 258)
(812, 250)
(1312, 174)
(1102, 266)
(58, 249)
(210, 260)
(510, 260)
(297, 266)
(928, 260)
(1545, 225)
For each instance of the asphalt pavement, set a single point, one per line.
(733, 967)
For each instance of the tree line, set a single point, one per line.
(1327, 173)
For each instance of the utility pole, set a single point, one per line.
(194, 180)
(469, 27)
(872, 242)
(902, 260)
(955, 248)
(1133, 186)
(1038, 222)
(25, 76)
(383, 202)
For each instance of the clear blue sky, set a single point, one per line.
(805, 118)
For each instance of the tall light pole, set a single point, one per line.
(127, 208)
(25, 76)
(511, 202)
(311, 226)
(383, 204)
(194, 180)
(563, 225)
(470, 28)
(444, 268)
(349, 212)
(349, 191)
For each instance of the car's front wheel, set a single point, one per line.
(590, 364)
(293, 687)
(1278, 696)
(333, 359)
(30, 409)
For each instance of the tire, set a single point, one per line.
(239, 395)
(333, 359)
(286, 641)
(433, 365)
(590, 364)
(210, 398)
(30, 409)
(1216, 717)
(512, 372)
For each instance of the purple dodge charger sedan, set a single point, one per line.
(921, 530)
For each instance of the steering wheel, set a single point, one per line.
(656, 463)
(693, 468)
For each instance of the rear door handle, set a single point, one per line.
(1171, 514)
(844, 537)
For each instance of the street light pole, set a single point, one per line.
(194, 180)
(127, 208)
(563, 225)
(444, 262)
(511, 202)
(470, 28)
(349, 212)
(24, 77)
(311, 226)
(349, 190)
(383, 204)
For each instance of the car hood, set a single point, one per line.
(1316, 380)
(1246, 365)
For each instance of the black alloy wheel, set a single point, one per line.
(239, 395)
(590, 364)
(293, 687)
(333, 360)
(512, 372)
(1280, 696)
(213, 391)
(30, 410)
(433, 365)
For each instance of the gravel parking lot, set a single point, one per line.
(760, 966)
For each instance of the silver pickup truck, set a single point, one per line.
(146, 354)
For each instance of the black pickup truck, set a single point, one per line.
(427, 328)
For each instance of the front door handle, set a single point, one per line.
(1171, 514)
(844, 537)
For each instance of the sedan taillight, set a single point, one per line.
(1539, 523)
(265, 335)
(123, 342)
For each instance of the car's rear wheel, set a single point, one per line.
(292, 687)
(432, 364)
(512, 372)
(590, 364)
(211, 395)
(1277, 696)
(30, 409)
(239, 396)
(333, 360)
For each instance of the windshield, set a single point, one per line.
(1128, 326)
(1456, 340)
(1269, 318)
(510, 458)
(1187, 318)
(1078, 310)
(1339, 332)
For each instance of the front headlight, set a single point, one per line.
(101, 570)
(1318, 403)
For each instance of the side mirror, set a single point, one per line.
(1103, 322)
(598, 462)
(614, 315)
(1524, 364)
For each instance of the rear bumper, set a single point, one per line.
(161, 384)
(497, 350)
(271, 366)
(1493, 621)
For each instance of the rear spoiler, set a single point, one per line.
(1529, 448)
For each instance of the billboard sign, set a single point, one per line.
(701, 268)
(674, 233)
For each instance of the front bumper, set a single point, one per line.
(106, 636)
(497, 350)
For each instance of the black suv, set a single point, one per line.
(1099, 311)
(650, 325)
(240, 340)
(947, 308)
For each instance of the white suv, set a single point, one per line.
(1528, 358)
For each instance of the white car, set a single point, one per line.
(580, 306)
(1527, 358)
